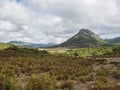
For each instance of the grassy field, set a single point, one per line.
(80, 52)
(33, 69)
(55, 50)
(3, 45)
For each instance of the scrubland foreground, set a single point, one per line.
(31, 69)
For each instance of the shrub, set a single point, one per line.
(83, 79)
(116, 50)
(115, 63)
(101, 61)
(67, 85)
(44, 82)
(116, 75)
(15, 48)
(103, 72)
(10, 83)
(76, 54)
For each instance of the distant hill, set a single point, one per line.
(84, 38)
(19, 43)
(114, 41)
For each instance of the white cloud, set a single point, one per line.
(7, 25)
(15, 12)
(45, 21)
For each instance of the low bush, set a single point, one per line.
(67, 85)
(116, 75)
(43, 82)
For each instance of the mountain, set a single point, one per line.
(19, 43)
(114, 41)
(84, 38)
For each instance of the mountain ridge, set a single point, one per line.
(113, 41)
(32, 45)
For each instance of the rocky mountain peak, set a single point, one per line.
(87, 32)
(84, 31)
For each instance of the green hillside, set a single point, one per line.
(115, 41)
(4, 45)
(85, 38)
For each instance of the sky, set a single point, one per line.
(55, 21)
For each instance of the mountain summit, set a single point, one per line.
(84, 38)
(86, 32)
